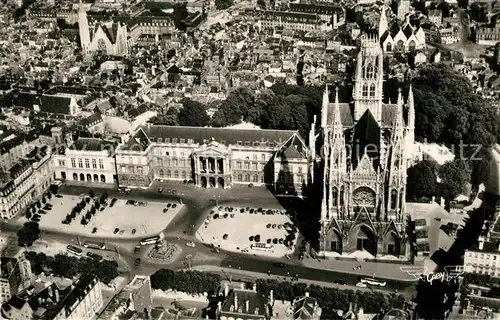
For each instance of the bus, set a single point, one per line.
(93, 245)
(152, 240)
(74, 250)
(261, 246)
(373, 282)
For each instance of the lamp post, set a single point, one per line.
(180, 198)
(216, 198)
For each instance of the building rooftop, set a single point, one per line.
(247, 303)
(93, 144)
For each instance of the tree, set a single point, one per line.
(422, 180)
(28, 214)
(193, 114)
(223, 4)
(170, 118)
(107, 271)
(261, 3)
(91, 193)
(49, 195)
(88, 216)
(454, 177)
(29, 233)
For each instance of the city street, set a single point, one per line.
(198, 201)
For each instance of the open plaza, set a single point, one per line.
(259, 231)
(132, 221)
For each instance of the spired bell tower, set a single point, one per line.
(83, 28)
(368, 86)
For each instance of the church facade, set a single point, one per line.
(111, 38)
(363, 162)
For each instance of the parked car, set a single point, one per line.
(122, 232)
(361, 285)
(94, 256)
(160, 190)
(137, 262)
(191, 244)
(137, 249)
(174, 206)
(94, 230)
(116, 231)
(113, 201)
(131, 202)
(134, 231)
(340, 281)
(279, 264)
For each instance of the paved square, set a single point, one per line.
(147, 220)
(239, 227)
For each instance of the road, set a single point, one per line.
(180, 231)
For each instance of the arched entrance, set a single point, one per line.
(89, 177)
(392, 244)
(75, 176)
(82, 177)
(96, 178)
(203, 181)
(365, 240)
(212, 182)
(220, 180)
(335, 241)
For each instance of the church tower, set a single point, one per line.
(383, 25)
(368, 90)
(83, 27)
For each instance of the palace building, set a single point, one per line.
(214, 158)
(364, 164)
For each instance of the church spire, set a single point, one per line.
(383, 24)
(324, 107)
(83, 28)
(411, 109)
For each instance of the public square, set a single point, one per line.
(234, 229)
(147, 220)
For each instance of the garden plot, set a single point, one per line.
(253, 230)
(140, 220)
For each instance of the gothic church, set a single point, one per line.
(111, 38)
(364, 164)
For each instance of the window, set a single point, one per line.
(131, 170)
(263, 157)
(167, 153)
(238, 165)
(176, 174)
(130, 160)
(300, 169)
(80, 163)
(139, 170)
(247, 178)
(255, 156)
(94, 164)
(239, 177)
(365, 90)
(101, 164)
(123, 169)
(372, 90)
(169, 174)
(175, 162)
(62, 163)
(255, 178)
(389, 47)
(87, 163)
(247, 166)
(183, 162)
(184, 175)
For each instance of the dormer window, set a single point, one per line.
(190, 141)
(255, 143)
(167, 153)
(239, 143)
(167, 140)
(160, 139)
(182, 140)
(247, 143)
(174, 140)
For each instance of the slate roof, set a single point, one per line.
(92, 144)
(90, 120)
(294, 148)
(366, 133)
(303, 308)
(55, 104)
(26, 99)
(226, 136)
(256, 304)
(347, 114)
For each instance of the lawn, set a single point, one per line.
(236, 230)
(146, 220)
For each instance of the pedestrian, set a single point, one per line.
(268, 272)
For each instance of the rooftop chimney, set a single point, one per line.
(271, 297)
(57, 295)
(307, 294)
(247, 306)
(226, 290)
(235, 301)
(254, 287)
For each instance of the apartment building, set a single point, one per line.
(16, 188)
(485, 262)
(214, 157)
(290, 20)
(15, 274)
(80, 301)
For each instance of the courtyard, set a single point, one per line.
(137, 220)
(261, 231)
